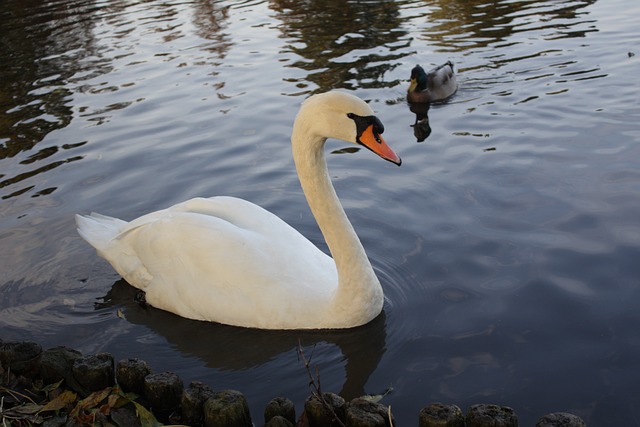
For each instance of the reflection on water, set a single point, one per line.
(53, 55)
(506, 243)
(476, 25)
(35, 101)
(230, 348)
(421, 126)
(359, 47)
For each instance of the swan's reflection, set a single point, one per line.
(232, 348)
(421, 127)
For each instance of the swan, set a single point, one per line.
(226, 260)
(436, 85)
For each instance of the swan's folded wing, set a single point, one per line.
(227, 265)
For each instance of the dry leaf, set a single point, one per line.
(64, 399)
(146, 418)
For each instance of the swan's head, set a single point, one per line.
(418, 79)
(346, 117)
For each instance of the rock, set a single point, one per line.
(321, 414)
(491, 416)
(560, 419)
(163, 391)
(279, 421)
(93, 373)
(441, 415)
(227, 408)
(20, 357)
(280, 406)
(130, 374)
(365, 413)
(25, 365)
(57, 364)
(192, 402)
(124, 416)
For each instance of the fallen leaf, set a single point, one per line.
(26, 409)
(375, 398)
(49, 387)
(146, 418)
(90, 401)
(64, 399)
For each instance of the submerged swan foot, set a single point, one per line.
(141, 299)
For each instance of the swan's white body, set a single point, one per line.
(226, 260)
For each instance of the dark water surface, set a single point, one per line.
(508, 243)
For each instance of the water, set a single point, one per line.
(507, 243)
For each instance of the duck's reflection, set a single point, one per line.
(233, 348)
(421, 127)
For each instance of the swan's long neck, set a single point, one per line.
(358, 285)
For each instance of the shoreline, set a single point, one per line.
(62, 387)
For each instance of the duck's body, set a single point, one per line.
(436, 85)
(226, 260)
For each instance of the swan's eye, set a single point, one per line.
(378, 127)
(368, 130)
(368, 134)
(363, 122)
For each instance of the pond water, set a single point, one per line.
(508, 243)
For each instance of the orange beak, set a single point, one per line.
(374, 142)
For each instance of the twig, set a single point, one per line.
(307, 366)
(16, 394)
(315, 385)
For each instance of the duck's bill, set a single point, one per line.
(374, 142)
(413, 84)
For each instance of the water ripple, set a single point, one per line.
(518, 207)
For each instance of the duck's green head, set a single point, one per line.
(418, 79)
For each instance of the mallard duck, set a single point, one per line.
(226, 260)
(436, 85)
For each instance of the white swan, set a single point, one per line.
(226, 260)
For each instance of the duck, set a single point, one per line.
(436, 85)
(224, 259)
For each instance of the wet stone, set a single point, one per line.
(365, 413)
(57, 364)
(279, 421)
(124, 416)
(560, 419)
(227, 408)
(192, 402)
(491, 416)
(280, 406)
(163, 391)
(441, 415)
(324, 414)
(93, 373)
(20, 357)
(130, 374)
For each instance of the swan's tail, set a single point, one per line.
(99, 230)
